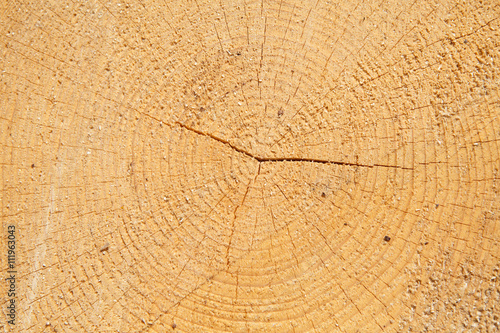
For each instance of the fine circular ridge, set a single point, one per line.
(251, 166)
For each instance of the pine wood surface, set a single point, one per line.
(251, 166)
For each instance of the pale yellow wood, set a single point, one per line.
(251, 166)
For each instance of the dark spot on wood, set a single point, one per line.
(33, 165)
(426, 243)
(345, 223)
(387, 238)
(323, 195)
(174, 326)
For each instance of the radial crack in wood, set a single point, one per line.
(250, 166)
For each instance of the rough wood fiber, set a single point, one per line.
(252, 166)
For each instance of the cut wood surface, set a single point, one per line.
(251, 166)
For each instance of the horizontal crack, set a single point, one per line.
(284, 159)
(239, 150)
(316, 160)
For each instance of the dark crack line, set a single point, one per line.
(239, 150)
(285, 159)
(235, 213)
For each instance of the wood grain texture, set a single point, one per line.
(252, 166)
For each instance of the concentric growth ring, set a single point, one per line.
(252, 166)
